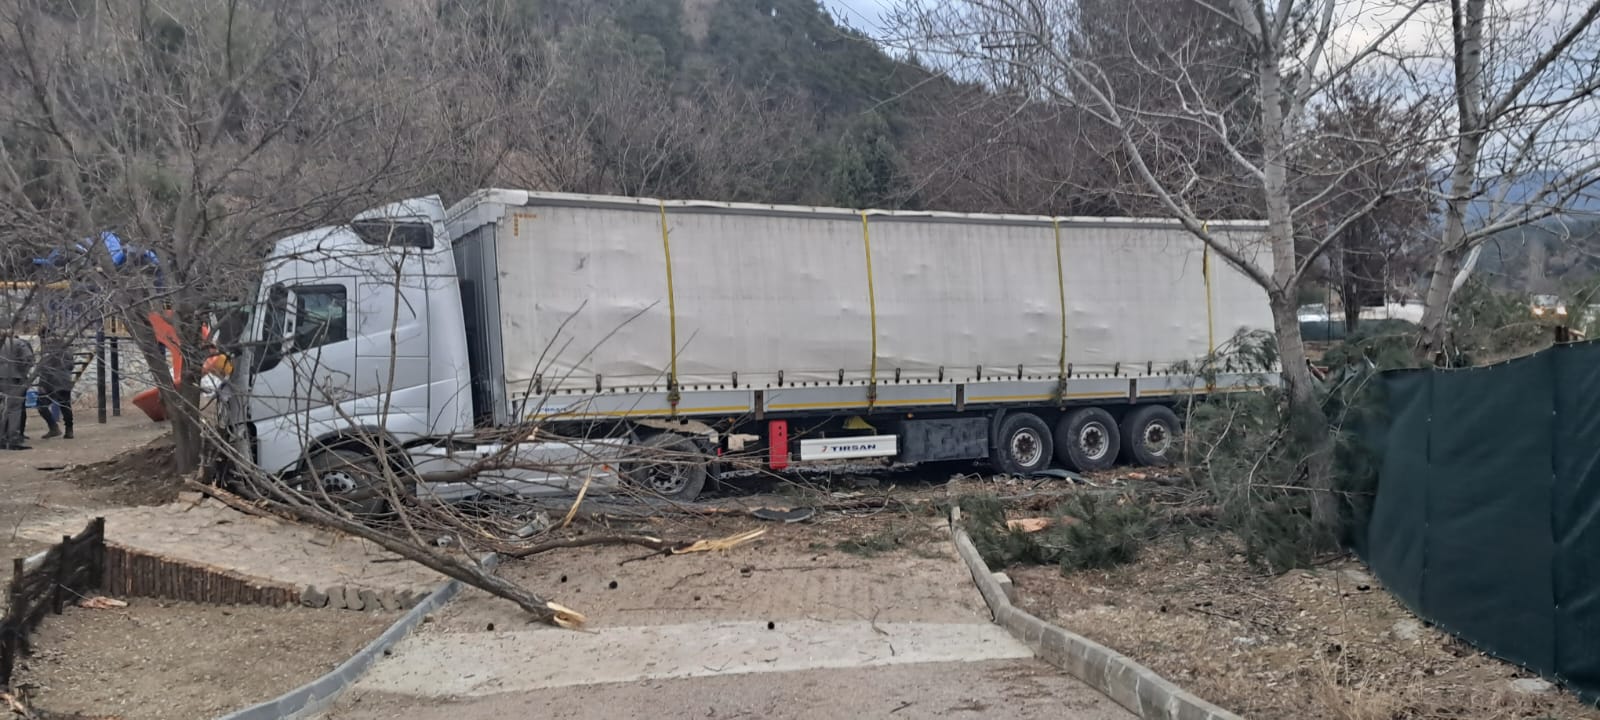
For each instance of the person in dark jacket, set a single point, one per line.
(16, 369)
(55, 384)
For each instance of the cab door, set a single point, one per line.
(304, 365)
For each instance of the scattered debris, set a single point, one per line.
(539, 524)
(1532, 686)
(101, 602)
(722, 544)
(1408, 629)
(1029, 525)
(792, 515)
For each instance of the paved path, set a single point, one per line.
(776, 630)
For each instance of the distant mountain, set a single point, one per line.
(1544, 256)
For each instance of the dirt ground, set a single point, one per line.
(153, 659)
(175, 661)
(1326, 643)
(57, 477)
(822, 569)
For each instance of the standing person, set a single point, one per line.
(55, 383)
(16, 367)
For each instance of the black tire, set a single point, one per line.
(1087, 440)
(1150, 436)
(671, 466)
(1022, 445)
(348, 477)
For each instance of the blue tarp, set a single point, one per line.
(114, 245)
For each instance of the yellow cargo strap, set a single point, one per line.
(1061, 291)
(872, 310)
(672, 314)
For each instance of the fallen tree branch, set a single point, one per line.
(661, 547)
(471, 574)
(653, 543)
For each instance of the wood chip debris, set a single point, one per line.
(101, 602)
(1029, 525)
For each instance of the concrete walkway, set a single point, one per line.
(774, 630)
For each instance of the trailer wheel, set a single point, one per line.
(1087, 440)
(349, 479)
(671, 466)
(1150, 435)
(1022, 446)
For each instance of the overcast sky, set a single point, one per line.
(862, 14)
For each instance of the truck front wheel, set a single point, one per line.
(1022, 446)
(669, 465)
(348, 479)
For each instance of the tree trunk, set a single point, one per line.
(180, 398)
(1467, 20)
(1300, 386)
(1308, 423)
(186, 438)
(1436, 304)
(1351, 296)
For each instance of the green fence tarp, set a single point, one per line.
(1487, 516)
(1576, 517)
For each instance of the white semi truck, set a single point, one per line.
(725, 331)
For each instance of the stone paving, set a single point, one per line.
(266, 550)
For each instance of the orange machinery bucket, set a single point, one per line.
(150, 402)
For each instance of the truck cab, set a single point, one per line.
(357, 338)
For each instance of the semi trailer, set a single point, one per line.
(572, 332)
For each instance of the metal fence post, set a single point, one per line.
(100, 374)
(116, 378)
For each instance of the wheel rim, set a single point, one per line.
(335, 482)
(1092, 440)
(1157, 439)
(668, 480)
(1026, 448)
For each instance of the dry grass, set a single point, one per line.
(1322, 644)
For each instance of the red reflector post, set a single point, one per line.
(778, 444)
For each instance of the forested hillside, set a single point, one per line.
(772, 100)
(349, 104)
(731, 99)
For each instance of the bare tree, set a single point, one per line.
(1293, 52)
(1375, 258)
(200, 131)
(622, 126)
(1524, 78)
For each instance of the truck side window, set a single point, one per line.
(394, 233)
(319, 316)
(273, 324)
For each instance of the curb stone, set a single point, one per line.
(1117, 676)
(318, 695)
